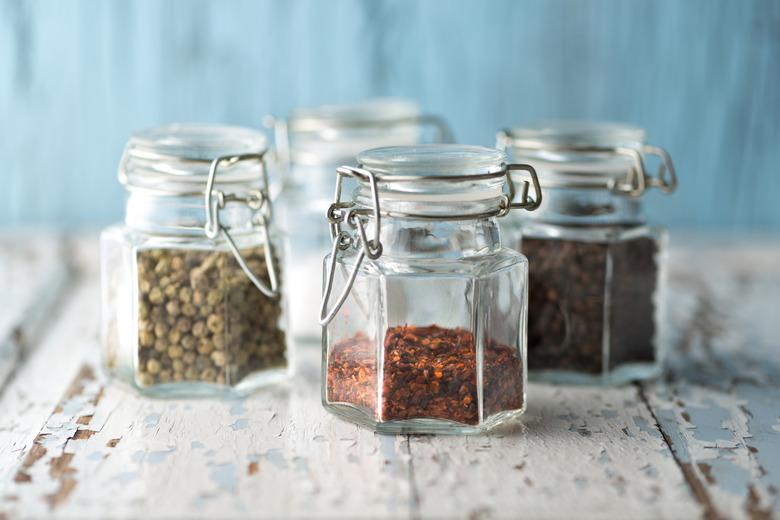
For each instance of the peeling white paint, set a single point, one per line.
(584, 452)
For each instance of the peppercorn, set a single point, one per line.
(203, 319)
(573, 286)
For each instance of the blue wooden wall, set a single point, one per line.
(703, 76)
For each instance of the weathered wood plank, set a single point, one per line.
(719, 407)
(587, 452)
(105, 451)
(72, 445)
(37, 385)
(33, 274)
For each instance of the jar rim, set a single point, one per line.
(575, 133)
(432, 161)
(368, 112)
(176, 158)
(329, 135)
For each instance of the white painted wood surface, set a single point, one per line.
(704, 441)
(33, 274)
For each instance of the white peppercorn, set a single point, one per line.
(203, 319)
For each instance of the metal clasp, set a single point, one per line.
(666, 185)
(527, 203)
(338, 213)
(256, 200)
(638, 179)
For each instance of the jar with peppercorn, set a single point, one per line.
(596, 265)
(309, 146)
(191, 285)
(424, 311)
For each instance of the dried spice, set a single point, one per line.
(570, 290)
(352, 372)
(428, 372)
(633, 326)
(202, 319)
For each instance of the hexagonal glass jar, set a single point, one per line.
(424, 310)
(310, 145)
(192, 290)
(596, 265)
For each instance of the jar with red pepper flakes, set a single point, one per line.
(424, 311)
(596, 265)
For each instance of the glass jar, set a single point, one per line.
(597, 267)
(426, 329)
(310, 145)
(192, 292)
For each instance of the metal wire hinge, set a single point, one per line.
(256, 200)
(372, 248)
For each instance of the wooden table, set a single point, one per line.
(702, 442)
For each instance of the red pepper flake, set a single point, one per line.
(429, 372)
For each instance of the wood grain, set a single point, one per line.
(701, 442)
(31, 395)
(34, 272)
(700, 75)
(718, 407)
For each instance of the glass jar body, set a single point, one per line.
(181, 319)
(299, 209)
(595, 295)
(315, 141)
(431, 338)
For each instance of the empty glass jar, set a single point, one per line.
(424, 310)
(596, 266)
(192, 292)
(310, 145)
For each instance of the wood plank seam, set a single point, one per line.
(713, 384)
(697, 489)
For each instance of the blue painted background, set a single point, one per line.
(703, 76)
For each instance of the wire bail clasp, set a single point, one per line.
(638, 179)
(256, 200)
(666, 180)
(338, 213)
(526, 202)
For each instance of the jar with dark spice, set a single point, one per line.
(424, 310)
(596, 265)
(192, 289)
(310, 144)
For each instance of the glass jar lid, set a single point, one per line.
(177, 159)
(432, 160)
(589, 155)
(436, 171)
(334, 134)
(371, 113)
